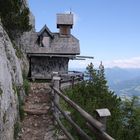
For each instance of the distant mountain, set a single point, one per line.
(125, 82)
(117, 74)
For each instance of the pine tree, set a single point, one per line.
(14, 16)
(95, 94)
(124, 122)
(131, 119)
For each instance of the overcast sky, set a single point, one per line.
(109, 30)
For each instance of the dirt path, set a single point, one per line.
(38, 122)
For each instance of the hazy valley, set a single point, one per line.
(124, 82)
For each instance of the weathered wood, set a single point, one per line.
(83, 113)
(56, 84)
(51, 55)
(100, 135)
(64, 19)
(69, 75)
(70, 81)
(102, 115)
(64, 129)
(83, 135)
(94, 125)
(89, 57)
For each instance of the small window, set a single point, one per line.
(46, 41)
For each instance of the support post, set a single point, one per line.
(56, 84)
(72, 83)
(101, 115)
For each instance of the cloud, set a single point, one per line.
(80, 63)
(122, 63)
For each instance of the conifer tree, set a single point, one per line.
(95, 94)
(124, 122)
(131, 119)
(14, 16)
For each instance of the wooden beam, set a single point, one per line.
(87, 116)
(83, 135)
(88, 57)
(101, 135)
(64, 129)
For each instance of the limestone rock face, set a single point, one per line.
(10, 79)
(26, 40)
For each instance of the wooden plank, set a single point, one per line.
(83, 135)
(101, 135)
(64, 129)
(89, 57)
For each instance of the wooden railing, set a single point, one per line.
(94, 125)
(70, 79)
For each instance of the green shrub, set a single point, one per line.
(17, 129)
(26, 86)
(124, 122)
(21, 103)
(19, 52)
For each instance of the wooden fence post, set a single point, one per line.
(56, 84)
(72, 78)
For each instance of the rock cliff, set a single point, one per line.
(13, 61)
(10, 81)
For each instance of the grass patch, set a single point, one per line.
(21, 111)
(19, 52)
(26, 86)
(20, 107)
(17, 129)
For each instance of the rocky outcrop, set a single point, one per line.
(11, 84)
(25, 41)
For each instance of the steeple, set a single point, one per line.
(64, 23)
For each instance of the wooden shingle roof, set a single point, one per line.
(64, 19)
(47, 30)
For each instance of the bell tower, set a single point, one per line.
(65, 23)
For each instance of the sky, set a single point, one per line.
(108, 30)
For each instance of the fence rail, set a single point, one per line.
(70, 78)
(94, 125)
